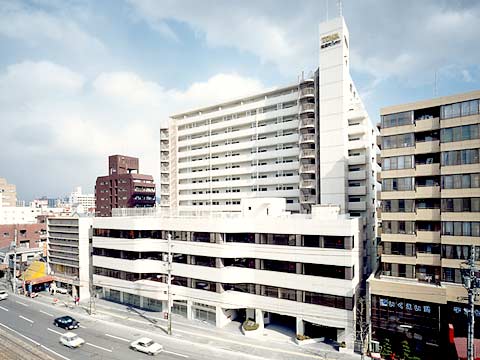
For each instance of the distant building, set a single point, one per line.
(68, 256)
(8, 193)
(123, 187)
(78, 198)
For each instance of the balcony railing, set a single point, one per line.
(307, 91)
(307, 153)
(307, 107)
(307, 138)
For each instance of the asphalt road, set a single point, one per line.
(34, 323)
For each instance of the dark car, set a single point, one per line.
(66, 322)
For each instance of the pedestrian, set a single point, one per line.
(77, 300)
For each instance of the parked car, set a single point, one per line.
(3, 295)
(71, 340)
(61, 290)
(66, 322)
(147, 346)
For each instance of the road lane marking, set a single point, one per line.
(35, 342)
(174, 353)
(54, 331)
(98, 347)
(26, 319)
(117, 337)
(46, 313)
(4, 309)
(22, 303)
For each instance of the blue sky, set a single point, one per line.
(80, 79)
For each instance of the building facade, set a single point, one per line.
(25, 235)
(68, 253)
(77, 197)
(8, 193)
(310, 142)
(123, 187)
(262, 263)
(430, 219)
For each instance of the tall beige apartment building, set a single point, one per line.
(8, 193)
(430, 219)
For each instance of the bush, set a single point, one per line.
(343, 344)
(249, 325)
(302, 337)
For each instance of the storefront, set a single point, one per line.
(417, 322)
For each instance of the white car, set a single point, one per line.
(71, 340)
(147, 346)
(3, 295)
(61, 290)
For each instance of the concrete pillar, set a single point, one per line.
(258, 263)
(250, 313)
(259, 318)
(189, 310)
(223, 316)
(219, 263)
(257, 238)
(300, 326)
(298, 240)
(141, 302)
(219, 288)
(121, 297)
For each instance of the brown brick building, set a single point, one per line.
(123, 187)
(28, 235)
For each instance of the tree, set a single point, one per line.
(405, 350)
(362, 326)
(386, 348)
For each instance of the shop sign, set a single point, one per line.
(400, 305)
(330, 40)
(459, 310)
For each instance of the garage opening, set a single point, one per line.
(316, 331)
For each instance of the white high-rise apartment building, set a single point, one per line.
(310, 142)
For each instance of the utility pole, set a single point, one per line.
(15, 260)
(472, 284)
(169, 282)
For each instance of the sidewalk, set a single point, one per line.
(275, 346)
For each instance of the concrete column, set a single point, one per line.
(219, 288)
(257, 238)
(298, 240)
(189, 310)
(219, 263)
(259, 318)
(141, 301)
(224, 316)
(258, 263)
(121, 297)
(250, 313)
(300, 326)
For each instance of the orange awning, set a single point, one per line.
(39, 280)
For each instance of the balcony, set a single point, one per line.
(427, 124)
(356, 159)
(357, 206)
(307, 92)
(307, 184)
(428, 259)
(357, 190)
(307, 123)
(309, 168)
(355, 114)
(307, 107)
(357, 175)
(378, 158)
(427, 192)
(427, 169)
(307, 154)
(307, 138)
(428, 214)
(427, 147)
(428, 236)
(309, 199)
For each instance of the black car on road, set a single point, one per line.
(66, 322)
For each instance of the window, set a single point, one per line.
(398, 205)
(460, 157)
(398, 141)
(460, 133)
(398, 119)
(461, 181)
(461, 228)
(465, 108)
(398, 184)
(397, 162)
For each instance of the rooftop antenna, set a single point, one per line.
(339, 3)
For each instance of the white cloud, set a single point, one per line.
(41, 29)
(117, 112)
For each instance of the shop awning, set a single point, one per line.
(36, 270)
(461, 347)
(42, 280)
